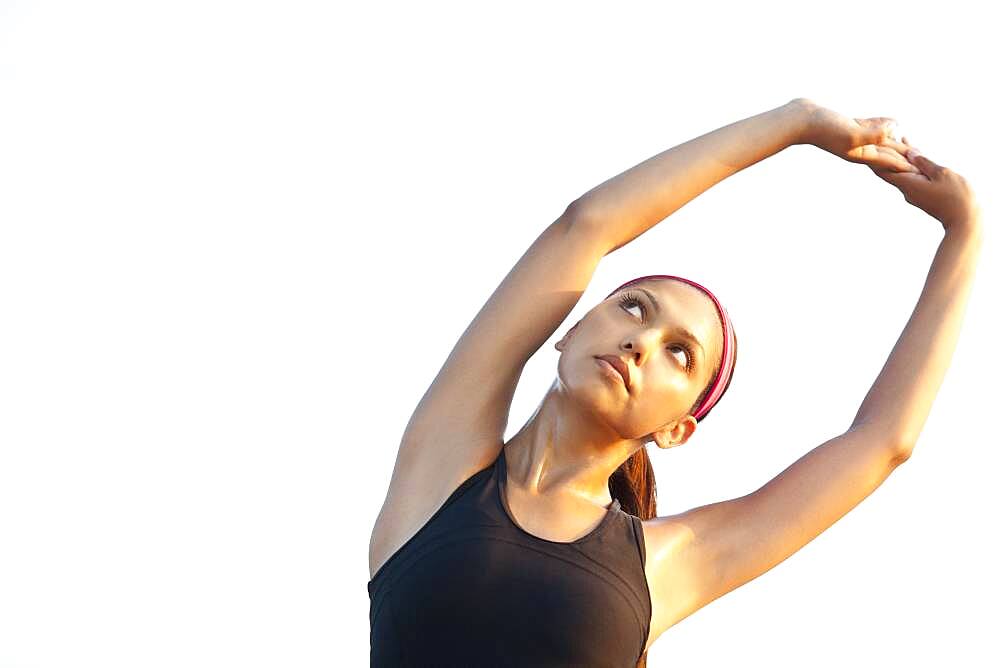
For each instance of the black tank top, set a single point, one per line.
(472, 588)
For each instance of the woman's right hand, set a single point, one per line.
(939, 191)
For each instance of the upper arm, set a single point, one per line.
(457, 427)
(471, 395)
(711, 550)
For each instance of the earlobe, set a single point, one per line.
(678, 434)
(662, 440)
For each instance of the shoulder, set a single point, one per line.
(419, 489)
(668, 572)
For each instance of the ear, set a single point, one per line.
(675, 433)
(561, 343)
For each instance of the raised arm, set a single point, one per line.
(623, 207)
(899, 401)
(708, 551)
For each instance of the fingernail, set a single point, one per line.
(912, 154)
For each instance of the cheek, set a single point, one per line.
(665, 397)
(667, 384)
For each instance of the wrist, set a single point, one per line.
(798, 113)
(967, 230)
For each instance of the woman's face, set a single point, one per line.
(643, 325)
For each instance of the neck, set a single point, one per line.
(565, 450)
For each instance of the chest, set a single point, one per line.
(561, 520)
(536, 603)
(564, 580)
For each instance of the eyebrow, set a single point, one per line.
(680, 330)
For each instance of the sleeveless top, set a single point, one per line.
(472, 588)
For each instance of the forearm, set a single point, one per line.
(622, 208)
(900, 399)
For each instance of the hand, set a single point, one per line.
(868, 141)
(939, 191)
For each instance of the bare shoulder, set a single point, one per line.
(422, 480)
(670, 573)
(458, 425)
(701, 554)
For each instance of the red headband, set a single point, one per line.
(728, 344)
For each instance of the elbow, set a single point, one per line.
(898, 443)
(587, 223)
(581, 214)
(902, 450)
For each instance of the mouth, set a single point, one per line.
(614, 367)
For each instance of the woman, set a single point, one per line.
(546, 550)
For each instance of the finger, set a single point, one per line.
(895, 160)
(911, 150)
(900, 147)
(905, 181)
(883, 157)
(908, 145)
(926, 165)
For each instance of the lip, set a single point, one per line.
(618, 366)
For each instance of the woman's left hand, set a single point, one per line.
(868, 141)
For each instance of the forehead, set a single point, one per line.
(685, 306)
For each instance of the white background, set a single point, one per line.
(225, 226)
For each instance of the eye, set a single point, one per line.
(688, 357)
(629, 300)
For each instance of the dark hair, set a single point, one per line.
(634, 483)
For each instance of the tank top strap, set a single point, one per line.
(640, 538)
